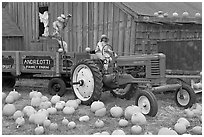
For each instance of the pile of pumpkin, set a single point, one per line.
(41, 108)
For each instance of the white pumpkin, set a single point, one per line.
(166, 131)
(136, 129)
(59, 106)
(52, 110)
(96, 105)
(9, 99)
(100, 112)
(31, 94)
(15, 94)
(65, 121)
(68, 110)
(197, 130)
(32, 118)
(39, 130)
(138, 118)
(118, 132)
(35, 101)
(3, 96)
(116, 112)
(130, 110)
(72, 103)
(9, 109)
(180, 128)
(46, 123)
(99, 123)
(44, 111)
(44, 99)
(105, 133)
(53, 126)
(40, 118)
(184, 121)
(123, 123)
(71, 125)
(84, 118)
(20, 121)
(18, 114)
(45, 105)
(55, 99)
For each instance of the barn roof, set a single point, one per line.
(149, 8)
(9, 28)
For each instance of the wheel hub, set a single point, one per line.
(144, 104)
(183, 97)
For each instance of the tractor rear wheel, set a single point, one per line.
(123, 92)
(147, 102)
(87, 82)
(185, 96)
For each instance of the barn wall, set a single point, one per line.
(12, 43)
(89, 21)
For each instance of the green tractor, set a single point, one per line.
(140, 75)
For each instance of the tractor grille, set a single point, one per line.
(155, 69)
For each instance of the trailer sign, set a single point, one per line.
(7, 62)
(38, 62)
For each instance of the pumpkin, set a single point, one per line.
(180, 128)
(197, 130)
(65, 121)
(130, 110)
(44, 99)
(3, 95)
(116, 112)
(96, 105)
(55, 99)
(118, 132)
(136, 130)
(9, 99)
(105, 133)
(97, 133)
(15, 94)
(101, 112)
(18, 114)
(71, 125)
(9, 109)
(123, 123)
(53, 126)
(32, 118)
(44, 111)
(138, 118)
(45, 105)
(38, 94)
(46, 123)
(72, 103)
(184, 121)
(35, 101)
(20, 121)
(59, 106)
(78, 101)
(99, 123)
(39, 130)
(31, 94)
(63, 103)
(40, 118)
(166, 131)
(189, 113)
(84, 118)
(52, 110)
(29, 110)
(68, 110)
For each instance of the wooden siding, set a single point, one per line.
(12, 43)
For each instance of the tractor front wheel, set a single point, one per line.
(147, 102)
(87, 82)
(185, 96)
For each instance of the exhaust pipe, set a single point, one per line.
(168, 87)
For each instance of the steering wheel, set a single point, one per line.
(106, 48)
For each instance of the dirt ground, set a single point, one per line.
(167, 115)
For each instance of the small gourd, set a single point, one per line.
(84, 118)
(123, 123)
(39, 130)
(72, 103)
(59, 106)
(136, 130)
(180, 128)
(55, 99)
(31, 94)
(53, 126)
(96, 105)
(71, 125)
(9, 109)
(65, 121)
(99, 123)
(118, 132)
(18, 114)
(20, 121)
(130, 110)
(15, 94)
(46, 123)
(35, 101)
(116, 112)
(68, 110)
(138, 118)
(100, 112)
